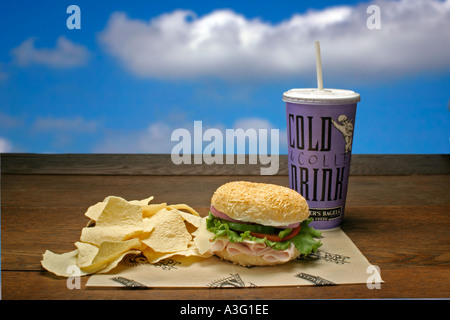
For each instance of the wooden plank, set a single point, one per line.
(399, 222)
(423, 164)
(408, 282)
(412, 253)
(161, 164)
(64, 191)
(389, 236)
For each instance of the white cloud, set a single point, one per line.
(252, 123)
(61, 133)
(5, 145)
(156, 137)
(413, 37)
(153, 139)
(76, 124)
(65, 54)
(260, 123)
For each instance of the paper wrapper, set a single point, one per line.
(338, 261)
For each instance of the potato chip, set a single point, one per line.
(60, 264)
(96, 235)
(151, 255)
(151, 209)
(154, 257)
(86, 253)
(93, 212)
(148, 228)
(118, 221)
(109, 252)
(118, 227)
(169, 233)
(143, 202)
(184, 207)
(119, 212)
(109, 197)
(112, 264)
(149, 225)
(192, 219)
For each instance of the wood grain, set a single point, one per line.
(83, 191)
(399, 222)
(161, 164)
(410, 282)
(57, 229)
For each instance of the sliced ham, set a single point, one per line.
(279, 255)
(219, 245)
(234, 248)
(255, 249)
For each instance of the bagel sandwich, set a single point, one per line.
(257, 224)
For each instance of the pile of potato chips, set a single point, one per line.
(119, 227)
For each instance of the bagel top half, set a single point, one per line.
(261, 203)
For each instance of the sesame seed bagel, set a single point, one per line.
(266, 204)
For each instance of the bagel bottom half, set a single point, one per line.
(246, 260)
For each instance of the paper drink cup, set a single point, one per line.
(320, 130)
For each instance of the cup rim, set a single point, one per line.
(326, 96)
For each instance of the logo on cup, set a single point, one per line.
(345, 126)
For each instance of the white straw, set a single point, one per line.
(319, 67)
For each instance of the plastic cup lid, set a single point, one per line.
(326, 96)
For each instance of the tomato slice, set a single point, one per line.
(276, 238)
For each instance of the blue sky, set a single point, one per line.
(137, 70)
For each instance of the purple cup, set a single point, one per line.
(320, 127)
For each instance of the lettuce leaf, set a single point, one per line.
(304, 241)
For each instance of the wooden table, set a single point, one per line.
(398, 210)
